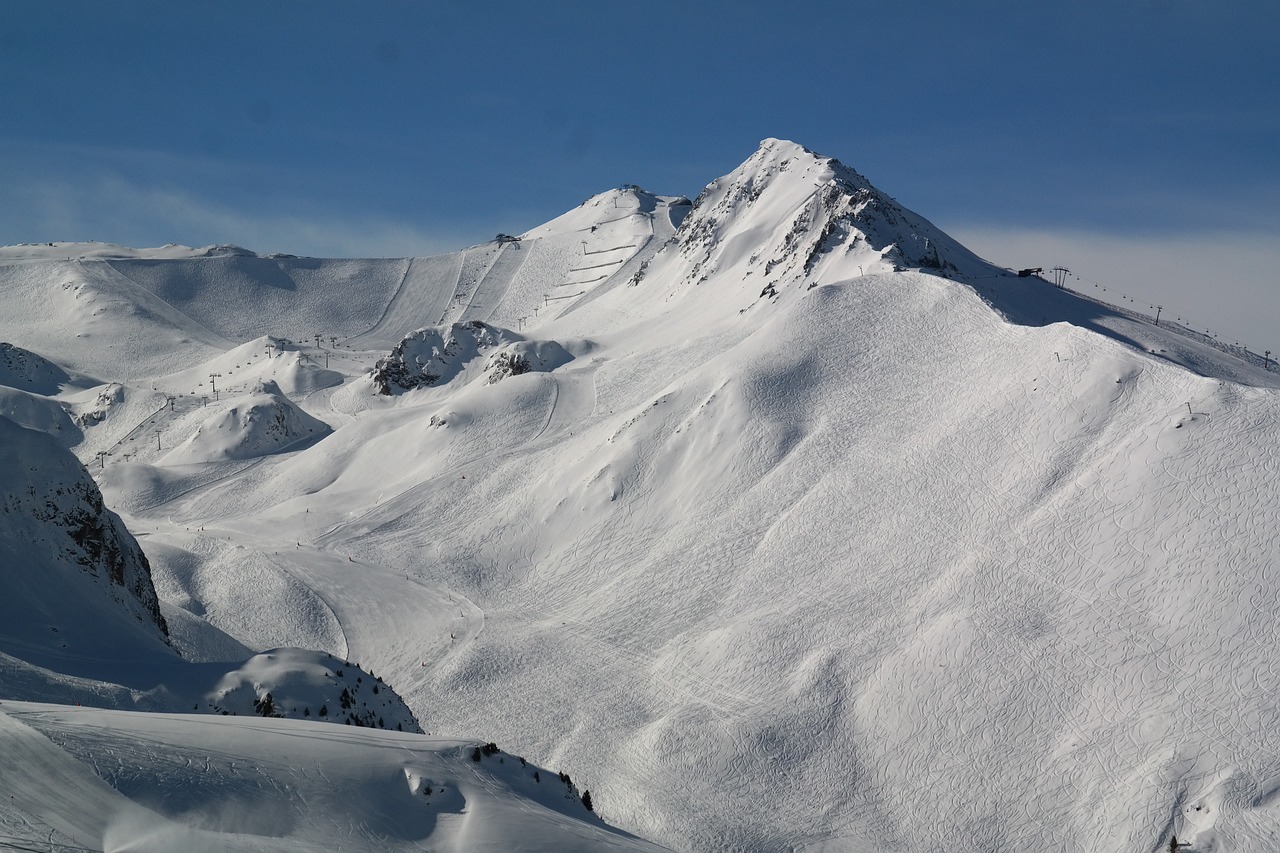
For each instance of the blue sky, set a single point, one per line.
(1113, 136)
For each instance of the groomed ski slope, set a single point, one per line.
(806, 548)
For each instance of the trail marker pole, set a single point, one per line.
(1189, 412)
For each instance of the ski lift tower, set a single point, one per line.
(1060, 276)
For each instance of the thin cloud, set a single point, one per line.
(112, 209)
(1213, 281)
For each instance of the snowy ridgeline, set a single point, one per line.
(780, 517)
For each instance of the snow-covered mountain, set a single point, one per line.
(790, 524)
(74, 577)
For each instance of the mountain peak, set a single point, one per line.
(788, 215)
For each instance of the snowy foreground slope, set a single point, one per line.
(778, 520)
(112, 780)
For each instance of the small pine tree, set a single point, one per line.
(475, 755)
(537, 777)
(586, 801)
(324, 710)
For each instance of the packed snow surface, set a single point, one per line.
(790, 524)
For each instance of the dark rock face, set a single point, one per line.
(52, 519)
(437, 354)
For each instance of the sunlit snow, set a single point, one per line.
(777, 520)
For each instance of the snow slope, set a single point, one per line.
(82, 622)
(73, 573)
(163, 782)
(829, 536)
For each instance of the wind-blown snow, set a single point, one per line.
(829, 535)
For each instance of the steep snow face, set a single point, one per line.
(71, 575)
(262, 422)
(787, 215)
(28, 371)
(437, 355)
(39, 413)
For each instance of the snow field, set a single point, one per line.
(780, 567)
(163, 781)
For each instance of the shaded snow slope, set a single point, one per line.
(39, 413)
(28, 371)
(58, 532)
(72, 574)
(160, 782)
